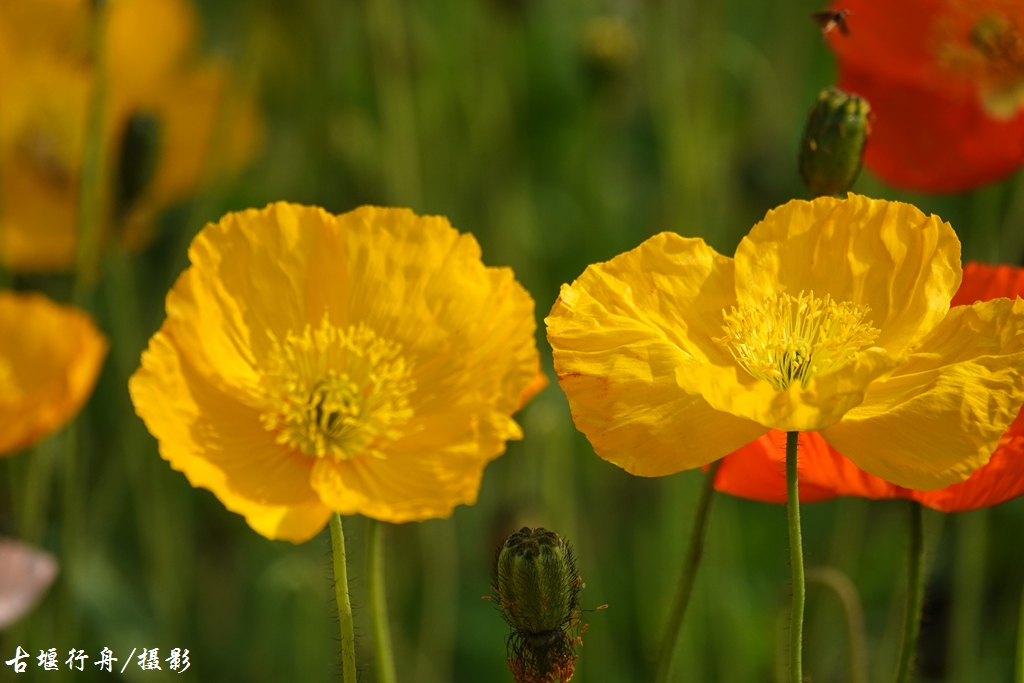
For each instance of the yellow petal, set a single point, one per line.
(469, 332)
(219, 444)
(42, 124)
(206, 131)
(412, 488)
(620, 333)
(146, 39)
(940, 416)
(418, 281)
(50, 357)
(822, 402)
(888, 256)
(248, 279)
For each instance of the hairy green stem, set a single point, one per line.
(348, 633)
(796, 561)
(848, 596)
(383, 655)
(915, 595)
(691, 563)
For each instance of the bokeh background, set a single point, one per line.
(560, 133)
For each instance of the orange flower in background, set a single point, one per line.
(366, 363)
(50, 357)
(170, 121)
(945, 79)
(758, 471)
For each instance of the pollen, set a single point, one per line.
(790, 339)
(341, 393)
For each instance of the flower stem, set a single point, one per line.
(848, 596)
(796, 561)
(383, 656)
(971, 530)
(915, 595)
(694, 552)
(1018, 676)
(348, 633)
(90, 188)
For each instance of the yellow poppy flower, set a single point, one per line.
(833, 317)
(50, 357)
(169, 121)
(363, 363)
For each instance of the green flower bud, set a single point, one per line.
(833, 143)
(537, 588)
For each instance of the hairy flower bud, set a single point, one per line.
(537, 589)
(832, 147)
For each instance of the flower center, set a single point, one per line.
(1001, 45)
(338, 393)
(994, 56)
(788, 339)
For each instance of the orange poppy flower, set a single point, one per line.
(945, 79)
(758, 470)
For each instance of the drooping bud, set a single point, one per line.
(137, 160)
(833, 143)
(537, 588)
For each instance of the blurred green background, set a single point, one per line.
(560, 133)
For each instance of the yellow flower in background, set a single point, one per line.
(170, 121)
(362, 363)
(833, 317)
(50, 357)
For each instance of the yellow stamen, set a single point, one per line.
(338, 393)
(787, 339)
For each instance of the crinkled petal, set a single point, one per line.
(418, 281)
(248, 279)
(758, 472)
(467, 329)
(424, 476)
(984, 282)
(822, 402)
(220, 444)
(888, 256)
(622, 333)
(1002, 479)
(940, 416)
